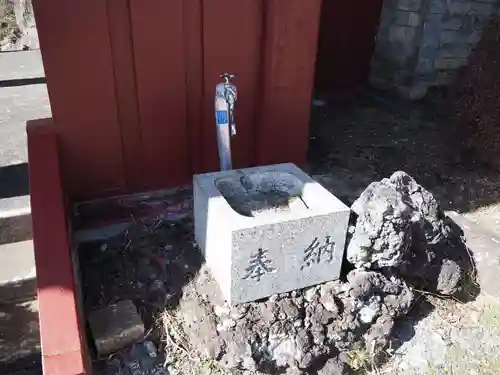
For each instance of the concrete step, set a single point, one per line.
(21, 65)
(485, 247)
(15, 219)
(17, 272)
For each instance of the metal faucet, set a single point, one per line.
(231, 96)
(225, 101)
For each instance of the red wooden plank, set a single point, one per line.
(232, 37)
(64, 364)
(194, 78)
(161, 89)
(61, 329)
(290, 54)
(120, 29)
(78, 65)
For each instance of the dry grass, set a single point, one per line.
(363, 360)
(173, 336)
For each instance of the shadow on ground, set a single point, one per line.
(19, 332)
(149, 263)
(14, 180)
(375, 134)
(22, 82)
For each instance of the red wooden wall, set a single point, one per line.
(131, 84)
(346, 43)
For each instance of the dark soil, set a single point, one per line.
(376, 135)
(476, 105)
(148, 264)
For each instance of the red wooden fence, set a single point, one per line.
(131, 84)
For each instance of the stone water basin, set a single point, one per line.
(258, 193)
(268, 230)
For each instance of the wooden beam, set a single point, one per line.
(291, 33)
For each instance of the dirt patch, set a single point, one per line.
(149, 264)
(337, 326)
(351, 146)
(475, 100)
(375, 135)
(454, 339)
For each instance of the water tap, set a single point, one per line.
(231, 96)
(225, 100)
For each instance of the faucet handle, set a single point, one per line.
(230, 95)
(227, 77)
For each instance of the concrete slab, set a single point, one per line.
(18, 205)
(485, 247)
(16, 227)
(17, 271)
(18, 105)
(21, 65)
(15, 219)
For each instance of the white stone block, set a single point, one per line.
(268, 230)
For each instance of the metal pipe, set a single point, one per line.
(225, 101)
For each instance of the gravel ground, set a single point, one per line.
(351, 146)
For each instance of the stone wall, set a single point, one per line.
(422, 43)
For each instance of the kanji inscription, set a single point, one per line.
(258, 266)
(318, 252)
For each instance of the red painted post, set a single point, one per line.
(291, 32)
(61, 321)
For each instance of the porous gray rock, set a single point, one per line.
(369, 297)
(292, 334)
(401, 226)
(333, 367)
(382, 232)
